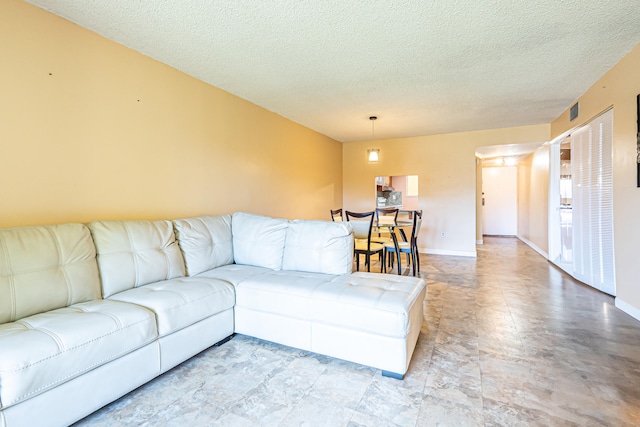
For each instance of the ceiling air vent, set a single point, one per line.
(573, 113)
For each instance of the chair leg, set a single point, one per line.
(399, 263)
(413, 256)
(367, 258)
(357, 262)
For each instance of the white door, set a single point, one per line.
(500, 193)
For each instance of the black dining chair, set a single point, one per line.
(362, 227)
(410, 248)
(388, 216)
(336, 215)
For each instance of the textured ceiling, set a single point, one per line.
(423, 67)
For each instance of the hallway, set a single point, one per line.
(507, 340)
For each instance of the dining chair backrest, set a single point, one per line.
(336, 215)
(417, 223)
(405, 215)
(386, 215)
(362, 225)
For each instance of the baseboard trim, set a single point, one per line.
(472, 254)
(533, 246)
(628, 308)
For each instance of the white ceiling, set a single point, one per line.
(423, 67)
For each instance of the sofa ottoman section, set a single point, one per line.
(276, 306)
(315, 303)
(368, 318)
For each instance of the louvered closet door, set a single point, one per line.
(592, 175)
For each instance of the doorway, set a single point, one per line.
(561, 204)
(566, 204)
(500, 201)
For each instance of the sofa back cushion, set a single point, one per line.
(135, 253)
(206, 242)
(258, 240)
(319, 247)
(45, 268)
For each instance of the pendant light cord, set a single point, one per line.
(373, 120)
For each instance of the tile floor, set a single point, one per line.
(507, 340)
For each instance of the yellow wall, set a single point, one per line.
(90, 129)
(533, 200)
(619, 88)
(446, 169)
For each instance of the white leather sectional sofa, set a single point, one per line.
(90, 312)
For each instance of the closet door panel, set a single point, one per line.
(592, 173)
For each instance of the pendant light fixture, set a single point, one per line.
(373, 154)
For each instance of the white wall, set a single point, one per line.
(533, 200)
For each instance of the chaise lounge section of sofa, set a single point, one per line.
(90, 312)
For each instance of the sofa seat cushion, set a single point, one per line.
(286, 293)
(235, 273)
(181, 302)
(42, 351)
(368, 302)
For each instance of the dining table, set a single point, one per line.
(388, 224)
